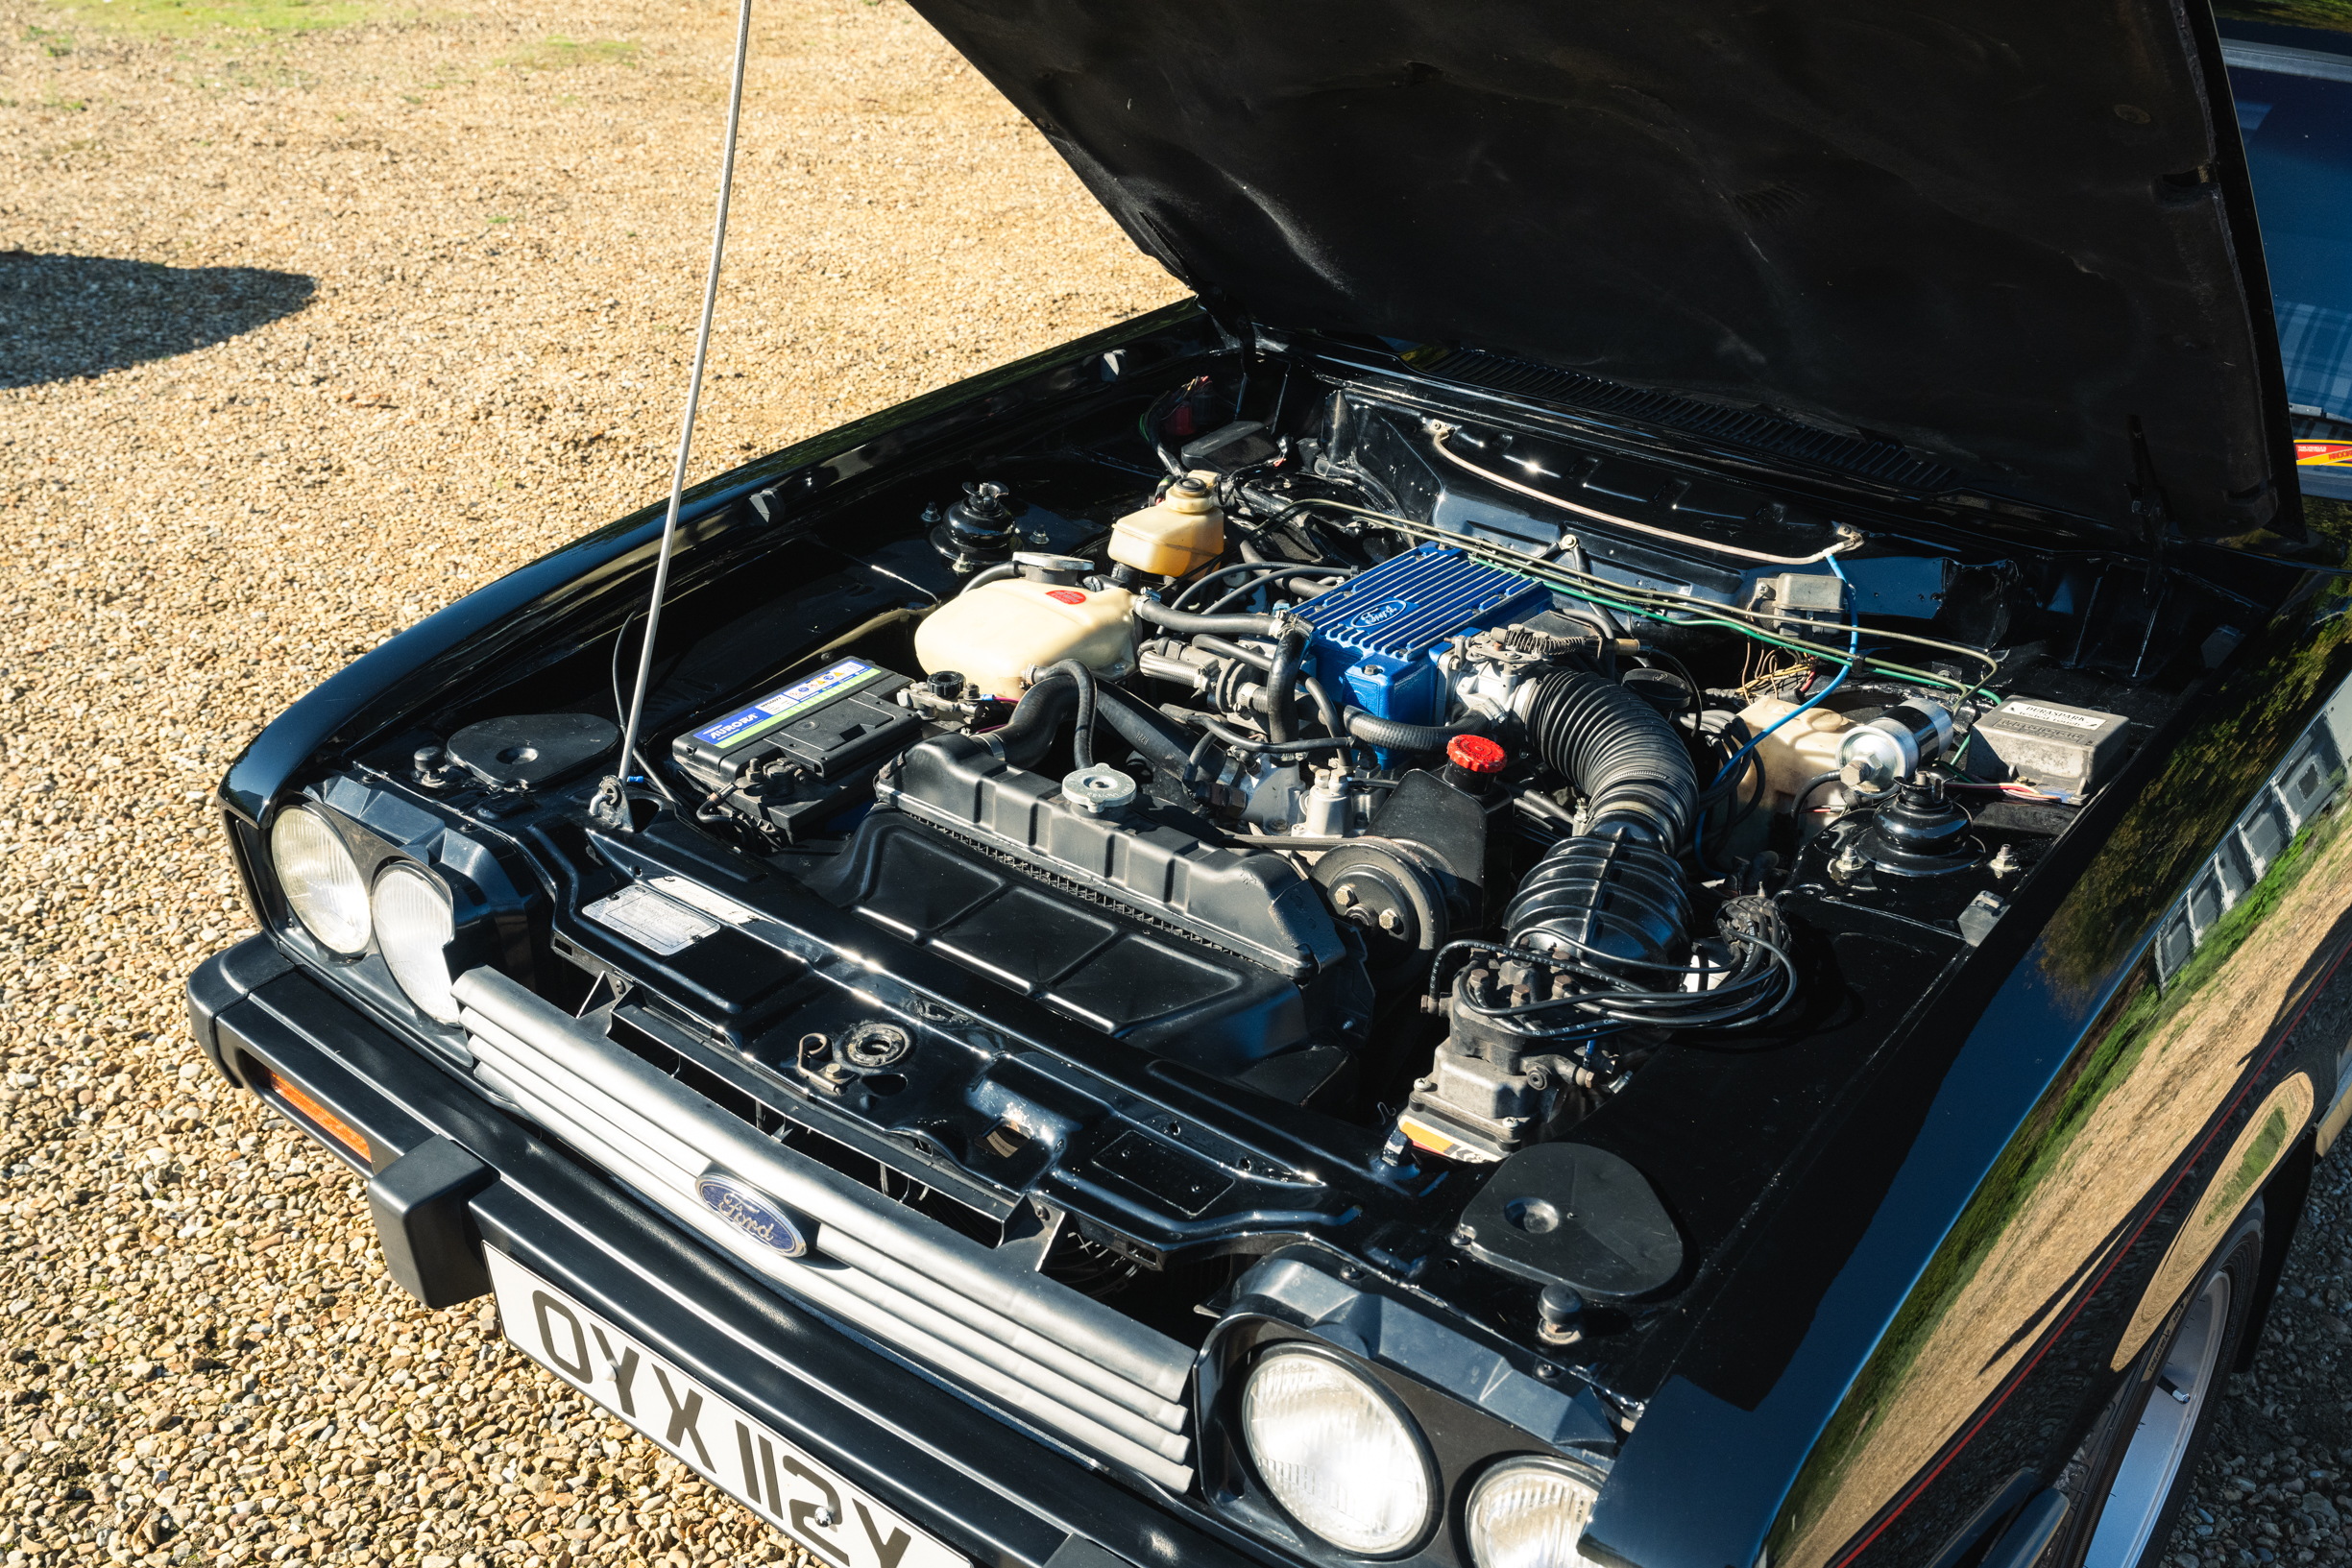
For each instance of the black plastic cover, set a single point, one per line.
(1168, 995)
(531, 751)
(1575, 1215)
(1252, 904)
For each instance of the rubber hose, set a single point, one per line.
(1284, 575)
(1181, 621)
(1282, 685)
(1242, 743)
(1081, 744)
(1392, 735)
(1024, 737)
(1620, 753)
(1167, 750)
(1323, 709)
(1229, 650)
(991, 574)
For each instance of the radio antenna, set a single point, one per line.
(611, 806)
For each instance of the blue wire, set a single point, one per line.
(1854, 645)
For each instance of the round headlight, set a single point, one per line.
(321, 880)
(413, 925)
(1336, 1453)
(1529, 1513)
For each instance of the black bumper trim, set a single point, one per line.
(422, 1204)
(1004, 1499)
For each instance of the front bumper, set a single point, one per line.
(998, 1497)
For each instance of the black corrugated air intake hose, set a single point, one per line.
(1611, 896)
(1607, 908)
(1620, 753)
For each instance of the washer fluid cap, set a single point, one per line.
(1475, 753)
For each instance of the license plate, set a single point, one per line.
(748, 1461)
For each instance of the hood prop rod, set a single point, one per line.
(610, 808)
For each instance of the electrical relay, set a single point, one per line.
(797, 753)
(2067, 751)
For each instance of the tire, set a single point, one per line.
(2146, 1446)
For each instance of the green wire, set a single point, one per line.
(1502, 560)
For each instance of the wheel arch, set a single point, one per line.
(2283, 1199)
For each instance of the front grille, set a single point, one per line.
(1039, 1351)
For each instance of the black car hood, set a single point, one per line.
(2007, 233)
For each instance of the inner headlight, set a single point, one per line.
(413, 925)
(1529, 1513)
(321, 880)
(1336, 1453)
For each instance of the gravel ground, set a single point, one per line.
(301, 337)
(2276, 1484)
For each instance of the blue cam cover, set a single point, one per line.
(1377, 631)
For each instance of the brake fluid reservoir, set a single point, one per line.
(995, 633)
(1799, 751)
(1184, 532)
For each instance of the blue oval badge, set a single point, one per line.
(758, 1216)
(1366, 620)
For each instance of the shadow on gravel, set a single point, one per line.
(69, 316)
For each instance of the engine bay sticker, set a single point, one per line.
(750, 1462)
(2055, 715)
(777, 707)
(651, 921)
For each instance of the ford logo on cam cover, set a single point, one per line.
(1368, 618)
(760, 1218)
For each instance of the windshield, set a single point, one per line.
(2293, 87)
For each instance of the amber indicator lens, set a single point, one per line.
(319, 1116)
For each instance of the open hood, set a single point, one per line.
(2014, 238)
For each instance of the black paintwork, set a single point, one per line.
(1831, 1182)
(917, 1447)
(2007, 236)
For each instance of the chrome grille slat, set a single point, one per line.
(1059, 1359)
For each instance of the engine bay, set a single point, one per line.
(1410, 823)
(1293, 814)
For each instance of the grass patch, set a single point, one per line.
(194, 18)
(563, 54)
(2336, 16)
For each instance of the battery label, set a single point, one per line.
(780, 707)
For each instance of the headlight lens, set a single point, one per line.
(321, 880)
(1529, 1513)
(413, 925)
(1336, 1454)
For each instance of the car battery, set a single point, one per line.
(2066, 751)
(795, 756)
